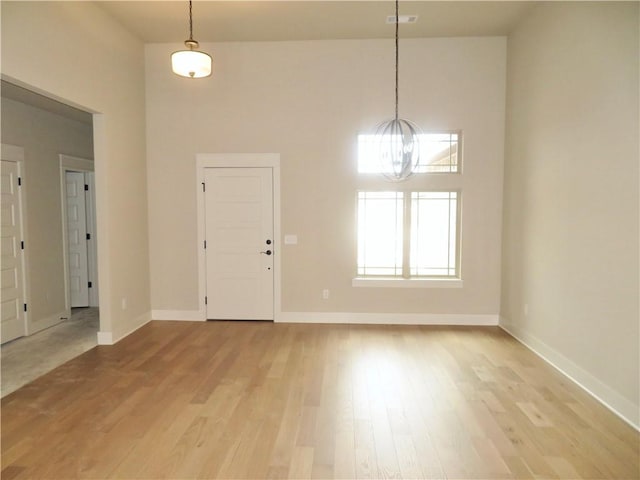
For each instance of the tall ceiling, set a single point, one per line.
(266, 20)
(166, 21)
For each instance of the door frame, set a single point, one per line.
(15, 154)
(238, 160)
(83, 165)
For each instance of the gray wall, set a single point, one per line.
(570, 256)
(308, 101)
(44, 136)
(79, 54)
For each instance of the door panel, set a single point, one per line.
(77, 238)
(238, 223)
(12, 276)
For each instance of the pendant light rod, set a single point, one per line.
(397, 43)
(190, 20)
(190, 42)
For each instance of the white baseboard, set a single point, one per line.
(387, 318)
(623, 408)
(105, 338)
(347, 317)
(178, 315)
(108, 338)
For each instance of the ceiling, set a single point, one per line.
(266, 20)
(166, 21)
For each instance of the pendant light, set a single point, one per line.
(191, 63)
(397, 141)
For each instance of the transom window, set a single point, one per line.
(408, 234)
(439, 153)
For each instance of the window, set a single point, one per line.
(438, 153)
(434, 223)
(380, 226)
(408, 234)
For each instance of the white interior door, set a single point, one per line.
(77, 239)
(92, 243)
(239, 243)
(12, 319)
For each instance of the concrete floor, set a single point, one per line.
(26, 358)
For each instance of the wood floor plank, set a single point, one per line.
(263, 400)
(301, 465)
(534, 415)
(365, 451)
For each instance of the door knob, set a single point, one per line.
(268, 252)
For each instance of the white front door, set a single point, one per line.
(12, 320)
(239, 243)
(77, 238)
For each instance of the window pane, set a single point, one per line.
(368, 161)
(433, 233)
(380, 233)
(438, 153)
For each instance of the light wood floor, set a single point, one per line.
(263, 400)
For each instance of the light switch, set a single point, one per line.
(290, 239)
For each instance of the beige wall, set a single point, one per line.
(44, 136)
(308, 101)
(571, 194)
(77, 53)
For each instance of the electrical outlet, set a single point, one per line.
(526, 309)
(123, 302)
(325, 294)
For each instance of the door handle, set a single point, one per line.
(268, 252)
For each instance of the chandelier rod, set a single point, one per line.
(397, 21)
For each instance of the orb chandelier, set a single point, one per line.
(191, 63)
(397, 141)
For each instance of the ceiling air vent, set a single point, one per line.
(402, 19)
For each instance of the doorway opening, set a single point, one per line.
(44, 126)
(79, 227)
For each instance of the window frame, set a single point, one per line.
(457, 243)
(400, 201)
(407, 280)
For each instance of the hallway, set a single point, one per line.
(27, 358)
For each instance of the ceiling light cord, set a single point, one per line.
(190, 21)
(397, 43)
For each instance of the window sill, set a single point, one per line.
(406, 282)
